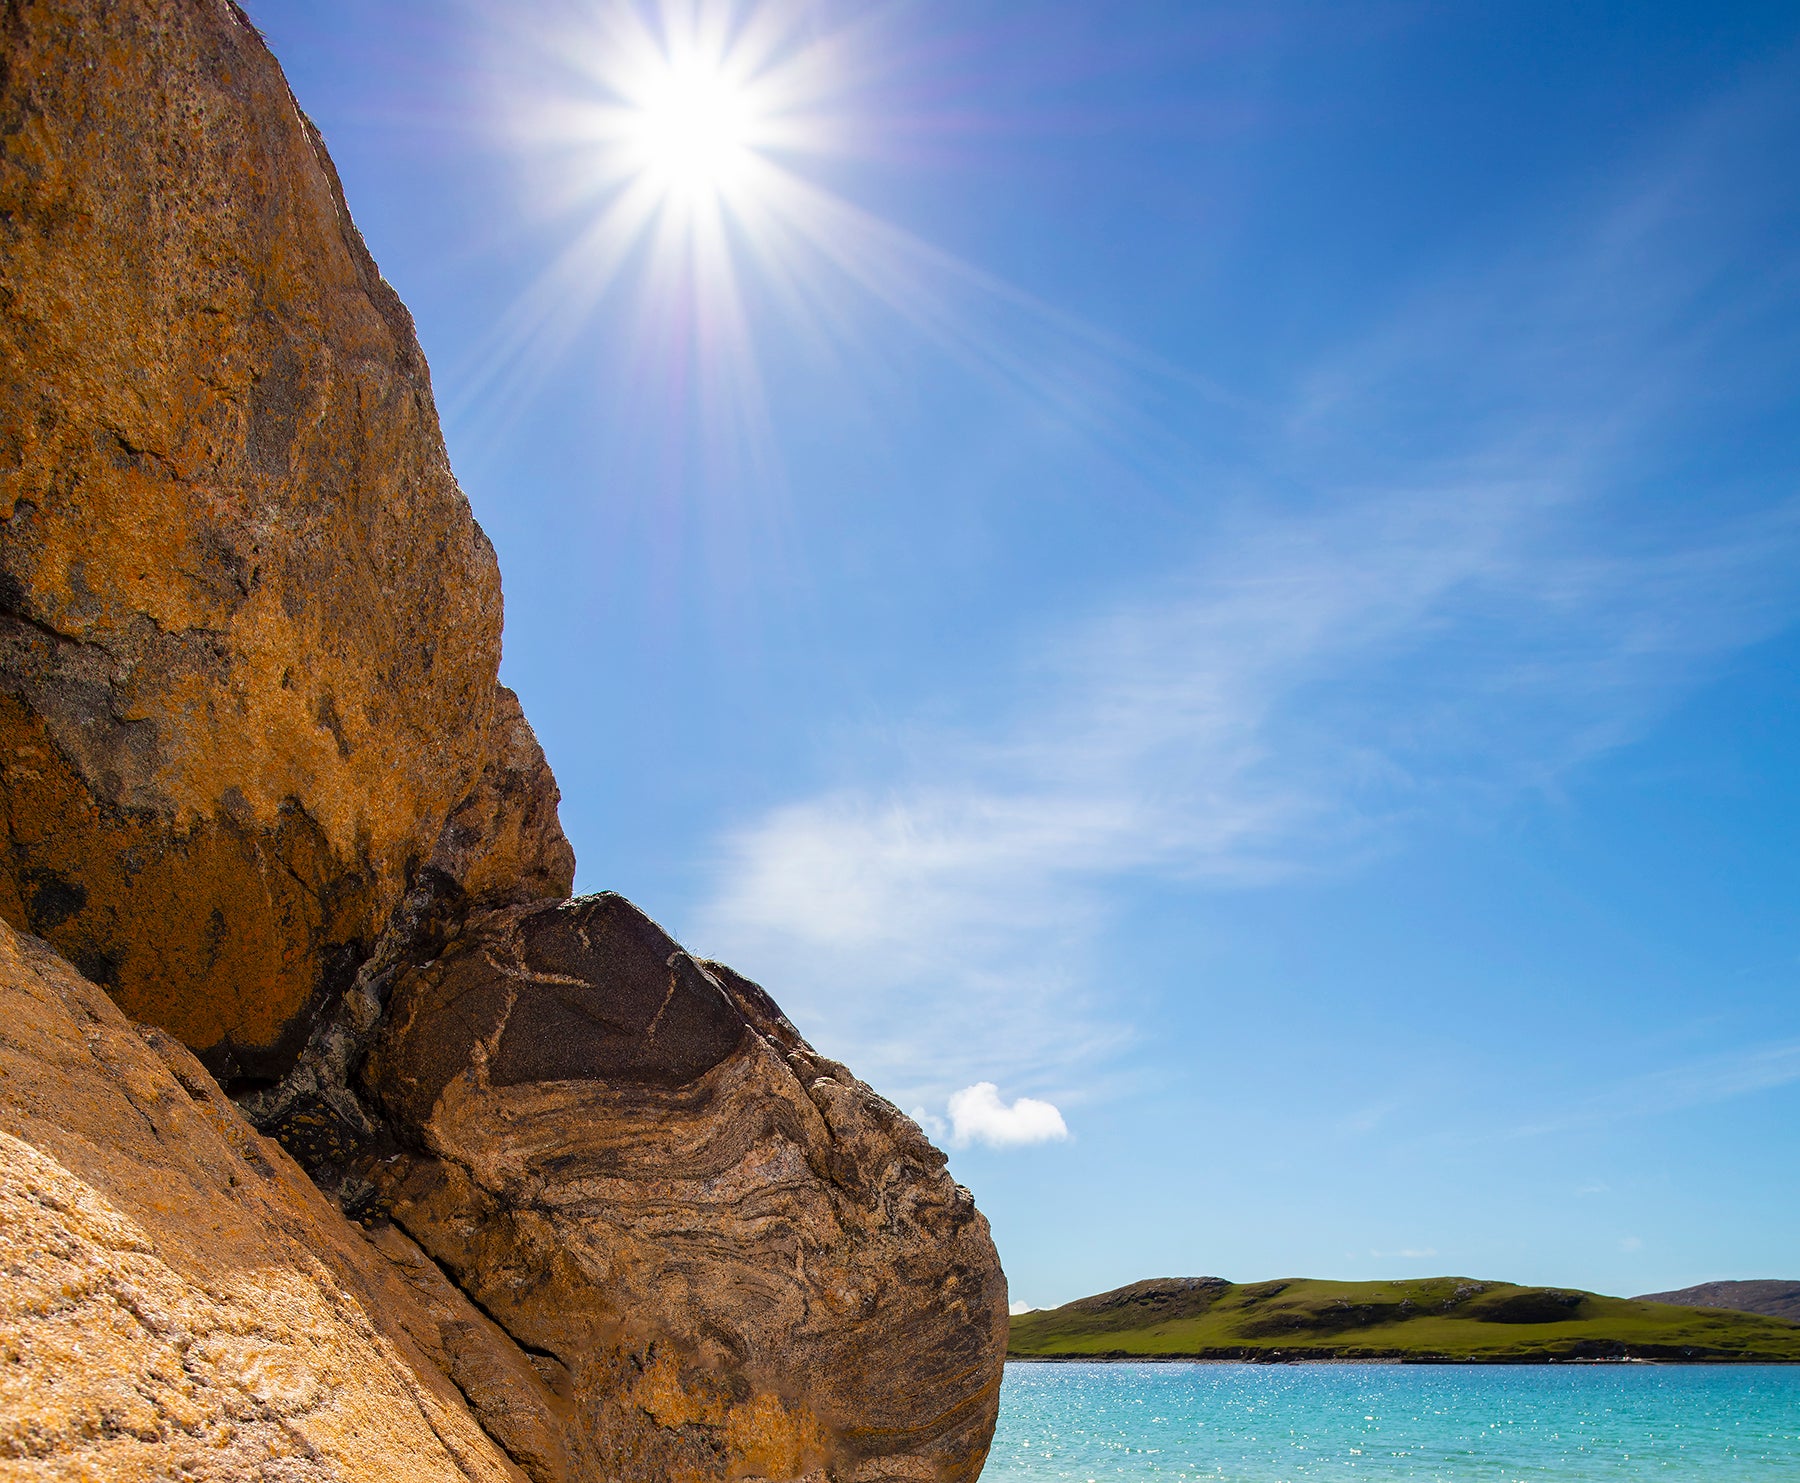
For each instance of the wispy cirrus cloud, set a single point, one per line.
(1443, 581)
(1697, 1083)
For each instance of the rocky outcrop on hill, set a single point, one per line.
(614, 1217)
(1154, 1300)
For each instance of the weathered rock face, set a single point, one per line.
(259, 781)
(735, 1259)
(249, 629)
(177, 1300)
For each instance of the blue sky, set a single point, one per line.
(1226, 570)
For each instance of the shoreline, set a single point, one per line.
(1534, 1361)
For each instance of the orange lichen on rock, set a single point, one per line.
(249, 628)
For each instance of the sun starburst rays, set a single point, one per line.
(674, 142)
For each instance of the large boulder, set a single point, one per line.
(736, 1258)
(249, 629)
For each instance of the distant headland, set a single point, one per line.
(1445, 1320)
(1768, 1296)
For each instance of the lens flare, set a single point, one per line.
(675, 144)
(665, 135)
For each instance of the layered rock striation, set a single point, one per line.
(261, 791)
(735, 1259)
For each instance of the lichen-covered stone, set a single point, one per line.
(178, 1301)
(249, 628)
(734, 1258)
(258, 780)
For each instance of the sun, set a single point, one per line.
(692, 128)
(679, 145)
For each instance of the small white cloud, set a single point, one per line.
(1405, 1254)
(1021, 1307)
(1594, 1189)
(977, 1115)
(1632, 1243)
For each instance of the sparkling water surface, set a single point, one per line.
(1165, 1423)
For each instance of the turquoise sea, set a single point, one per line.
(1167, 1423)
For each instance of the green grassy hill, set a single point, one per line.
(1432, 1318)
